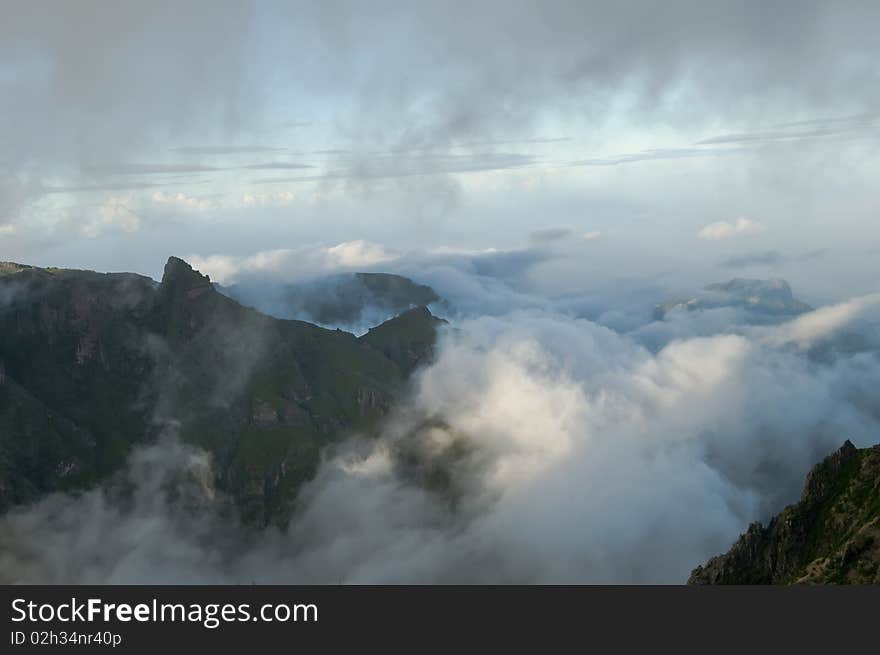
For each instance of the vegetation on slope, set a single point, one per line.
(91, 364)
(832, 535)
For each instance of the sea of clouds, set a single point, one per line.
(567, 439)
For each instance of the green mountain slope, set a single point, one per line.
(91, 364)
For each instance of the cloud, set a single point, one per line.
(849, 126)
(114, 214)
(147, 169)
(656, 154)
(357, 253)
(370, 167)
(211, 203)
(224, 150)
(538, 448)
(636, 82)
(726, 230)
(293, 264)
(825, 322)
(15, 192)
(771, 258)
(279, 165)
(555, 236)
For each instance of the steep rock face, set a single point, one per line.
(91, 364)
(832, 535)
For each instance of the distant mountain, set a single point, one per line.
(348, 300)
(92, 364)
(832, 535)
(769, 299)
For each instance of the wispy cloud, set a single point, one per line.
(727, 230)
(224, 150)
(653, 154)
(123, 168)
(118, 186)
(562, 234)
(405, 166)
(278, 165)
(771, 258)
(865, 124)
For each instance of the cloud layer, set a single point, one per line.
(538, 448)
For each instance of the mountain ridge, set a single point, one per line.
(347, 300)
(118, 359)
(831, 535)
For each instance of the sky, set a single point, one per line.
(697, 140)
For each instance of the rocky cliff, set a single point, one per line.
(832, 535)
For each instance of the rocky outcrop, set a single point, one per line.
(832, 535)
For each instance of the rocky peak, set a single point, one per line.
(823, 478)
(180, 278)
(185, 300)
(177, 271)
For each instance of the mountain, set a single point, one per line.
(92, 364)
(767, 299)
(832, 535)
(348, 300)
